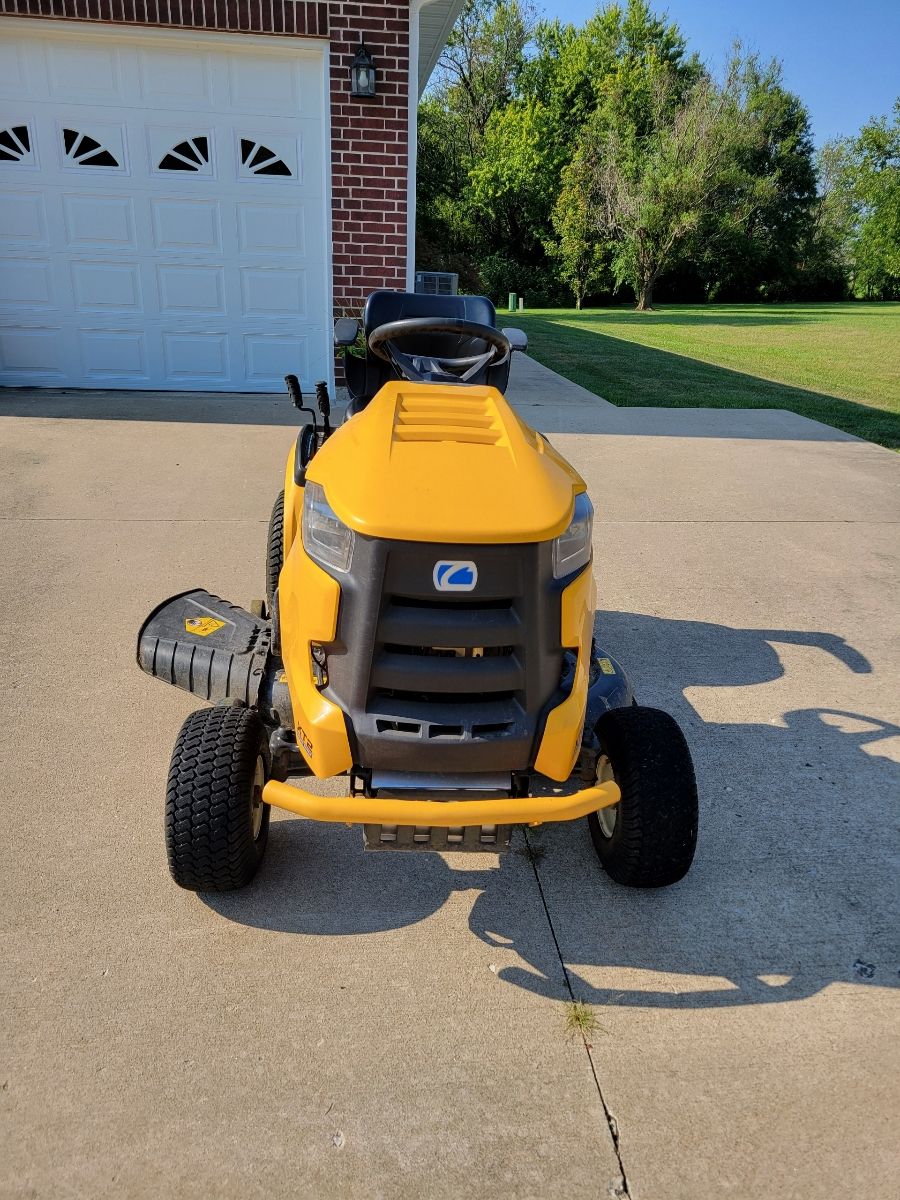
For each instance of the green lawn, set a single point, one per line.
(837, 363)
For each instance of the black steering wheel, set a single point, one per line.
(430, 368)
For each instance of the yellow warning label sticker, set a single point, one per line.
(606, 666)
(202, 626)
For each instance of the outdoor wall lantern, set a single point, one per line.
(362, 74)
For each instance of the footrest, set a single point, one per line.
(468, 838)
(206, 646)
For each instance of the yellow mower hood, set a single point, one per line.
(428, 462)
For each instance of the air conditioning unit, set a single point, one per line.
(437, 283)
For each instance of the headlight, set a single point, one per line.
(572, 549)
(325, 537)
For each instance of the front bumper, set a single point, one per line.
(442, 814)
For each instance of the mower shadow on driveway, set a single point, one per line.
(791, 889)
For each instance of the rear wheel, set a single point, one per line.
(648, 839)
(275, 548)
(216, 822)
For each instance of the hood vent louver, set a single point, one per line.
(472, 419)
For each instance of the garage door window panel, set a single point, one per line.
(267, 159)
(190, 155)
(16, 145)
(92, 149)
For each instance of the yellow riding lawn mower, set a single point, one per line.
(427, 633)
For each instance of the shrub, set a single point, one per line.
(540, 287)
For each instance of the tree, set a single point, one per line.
(857, 221)
(569, 76)
(475, 76)
(659, 170)
(583, 259)
(571, 67)
(760, 253)
(443, 226)
(500, 121)
(481, 63)
(874, 180)
(836, 209)
(825, 265)
(550, 154)
(515, 179)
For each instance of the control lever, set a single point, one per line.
(311, 435)
(309, 441)
(295, 393)
(324, 405)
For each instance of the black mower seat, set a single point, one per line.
(365, 376)
(384, 306)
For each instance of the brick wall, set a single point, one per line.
(370, 153)
(291, 18)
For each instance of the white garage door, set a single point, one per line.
(163, 210)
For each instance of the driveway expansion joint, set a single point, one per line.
(618, 1188)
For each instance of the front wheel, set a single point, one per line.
(648, 839)
(216, 822)
(275, 548)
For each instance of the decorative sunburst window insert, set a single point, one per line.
(82, 150)
(259, 159)
(190, 155)
(16, 145)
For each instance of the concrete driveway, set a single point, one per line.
(394, 1026)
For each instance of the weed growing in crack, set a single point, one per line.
(581, 1020)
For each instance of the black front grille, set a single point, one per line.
(451, 681)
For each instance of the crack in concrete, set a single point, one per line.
(618, 1188)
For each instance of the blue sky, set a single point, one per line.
(843, 59)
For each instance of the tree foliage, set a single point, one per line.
(572, 68)
(479, 69)
(659, 170)
(584, 261)
(513, 183)
(752, 246)
(871, 176)
(605, 156)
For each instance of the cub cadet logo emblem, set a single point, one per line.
(202, 626)
(451, 575)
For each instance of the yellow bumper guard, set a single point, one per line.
(445, 814)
